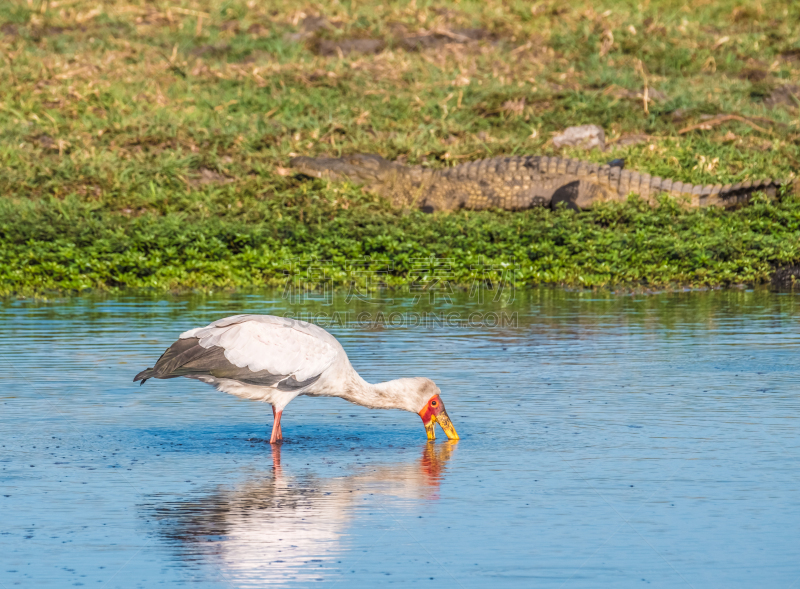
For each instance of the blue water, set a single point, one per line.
(607, 441)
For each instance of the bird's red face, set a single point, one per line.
(433, 413)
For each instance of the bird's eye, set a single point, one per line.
(433, 403)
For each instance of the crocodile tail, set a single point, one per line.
(725, 196)
(624, 182)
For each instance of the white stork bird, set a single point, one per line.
(276, 359)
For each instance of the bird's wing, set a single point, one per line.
(276, 346)
(254, 349)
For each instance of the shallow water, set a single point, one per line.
(607, 441)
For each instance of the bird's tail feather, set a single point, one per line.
(144, 375)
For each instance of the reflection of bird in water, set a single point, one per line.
(281, 529)
(276, 359)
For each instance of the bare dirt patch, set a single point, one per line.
(207, 176)
(400, 38)
(792, 55)
(218, 50)
(753, 75)
(311, 27)
(327, 47)
(787, 95)
(442, 37)
(9, 30)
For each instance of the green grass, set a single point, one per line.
(138, 149)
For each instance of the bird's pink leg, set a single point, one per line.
(276, 416)
(277, 435)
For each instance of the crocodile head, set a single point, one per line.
(364, 168)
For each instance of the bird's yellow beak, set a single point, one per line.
(433, 413)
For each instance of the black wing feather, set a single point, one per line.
(186, 357)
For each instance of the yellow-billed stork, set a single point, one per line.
(275, 359)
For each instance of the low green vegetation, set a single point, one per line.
(146, 144)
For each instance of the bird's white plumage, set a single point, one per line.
(279, 345)
(275, 359)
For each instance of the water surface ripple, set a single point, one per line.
(607, 441)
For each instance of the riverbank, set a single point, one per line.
(70, 245)
(149, 147)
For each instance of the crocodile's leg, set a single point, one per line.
(582, 194)
(452, 195)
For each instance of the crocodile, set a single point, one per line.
(520, 182)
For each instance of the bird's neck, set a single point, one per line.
(391, 394)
